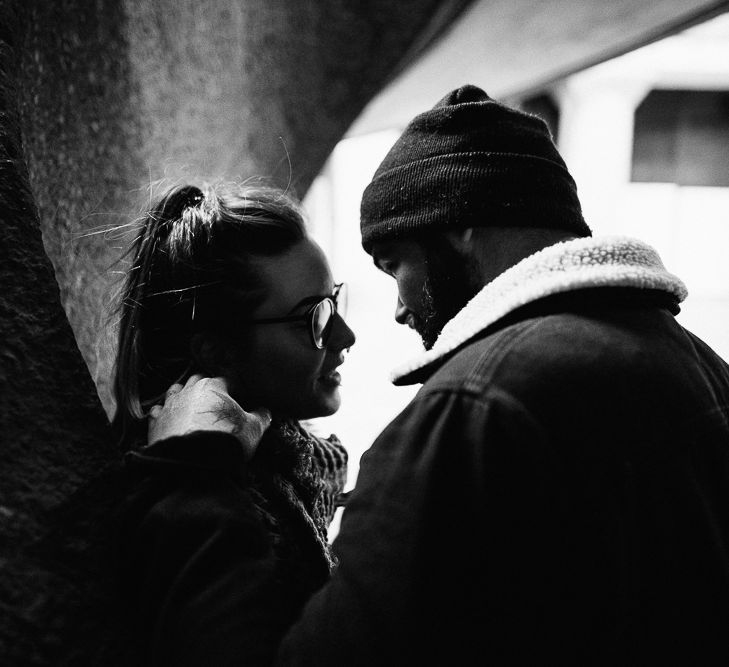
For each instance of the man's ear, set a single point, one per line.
(460, 238)
(209, 354)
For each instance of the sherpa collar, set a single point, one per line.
(610, 261)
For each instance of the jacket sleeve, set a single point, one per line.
(197, 563)
(451, 473)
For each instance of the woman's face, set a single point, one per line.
(276, 365)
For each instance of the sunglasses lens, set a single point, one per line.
(321, 322)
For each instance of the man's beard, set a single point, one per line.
(450, 283)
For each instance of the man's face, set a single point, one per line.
(434, 282)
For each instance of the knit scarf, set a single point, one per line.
(304, 475)
(610, 261)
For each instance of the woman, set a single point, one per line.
(224, 542)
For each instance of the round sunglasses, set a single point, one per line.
(320, 316)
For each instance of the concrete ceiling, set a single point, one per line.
(513, 47)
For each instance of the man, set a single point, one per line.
(558, 490)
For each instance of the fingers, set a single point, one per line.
(155, 411)
(219, 383)
(173, 389)
(263, 415)
(177, 387)
(195, 377)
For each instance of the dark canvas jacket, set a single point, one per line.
(556, 493)
(218, 555)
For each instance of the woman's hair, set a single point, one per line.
(192, 270)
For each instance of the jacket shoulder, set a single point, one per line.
(578, 349)
(475, 366)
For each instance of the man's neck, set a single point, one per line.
(496, 249)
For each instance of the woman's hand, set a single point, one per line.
(203, 404)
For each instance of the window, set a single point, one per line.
(682, 136)
(543, 106)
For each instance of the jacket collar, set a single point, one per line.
(610, 261)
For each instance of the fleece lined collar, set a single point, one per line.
(610, 261)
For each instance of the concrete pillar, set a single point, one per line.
(98, 100)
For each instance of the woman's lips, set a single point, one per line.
(331, 379)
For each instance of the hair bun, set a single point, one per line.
(194, 197)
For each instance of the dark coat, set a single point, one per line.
(218, 555)
(556, 493)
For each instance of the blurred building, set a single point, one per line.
(646, 136)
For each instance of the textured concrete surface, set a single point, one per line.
(98, 100)
(118, 96)
(54, 433)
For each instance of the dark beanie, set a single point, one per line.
(470, 162)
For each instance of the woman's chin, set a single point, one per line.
(328, 401)
(322, 400)
(331, 404)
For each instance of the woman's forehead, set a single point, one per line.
(301, 272)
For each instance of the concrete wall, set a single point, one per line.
(99, 99)
(118, 96)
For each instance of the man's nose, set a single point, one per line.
(401, 312)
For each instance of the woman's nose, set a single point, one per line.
(342, 336)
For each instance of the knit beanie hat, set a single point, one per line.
(470, 162)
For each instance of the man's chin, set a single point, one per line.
(428, 337)
(428, 327)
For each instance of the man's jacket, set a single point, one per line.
(556, 493)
